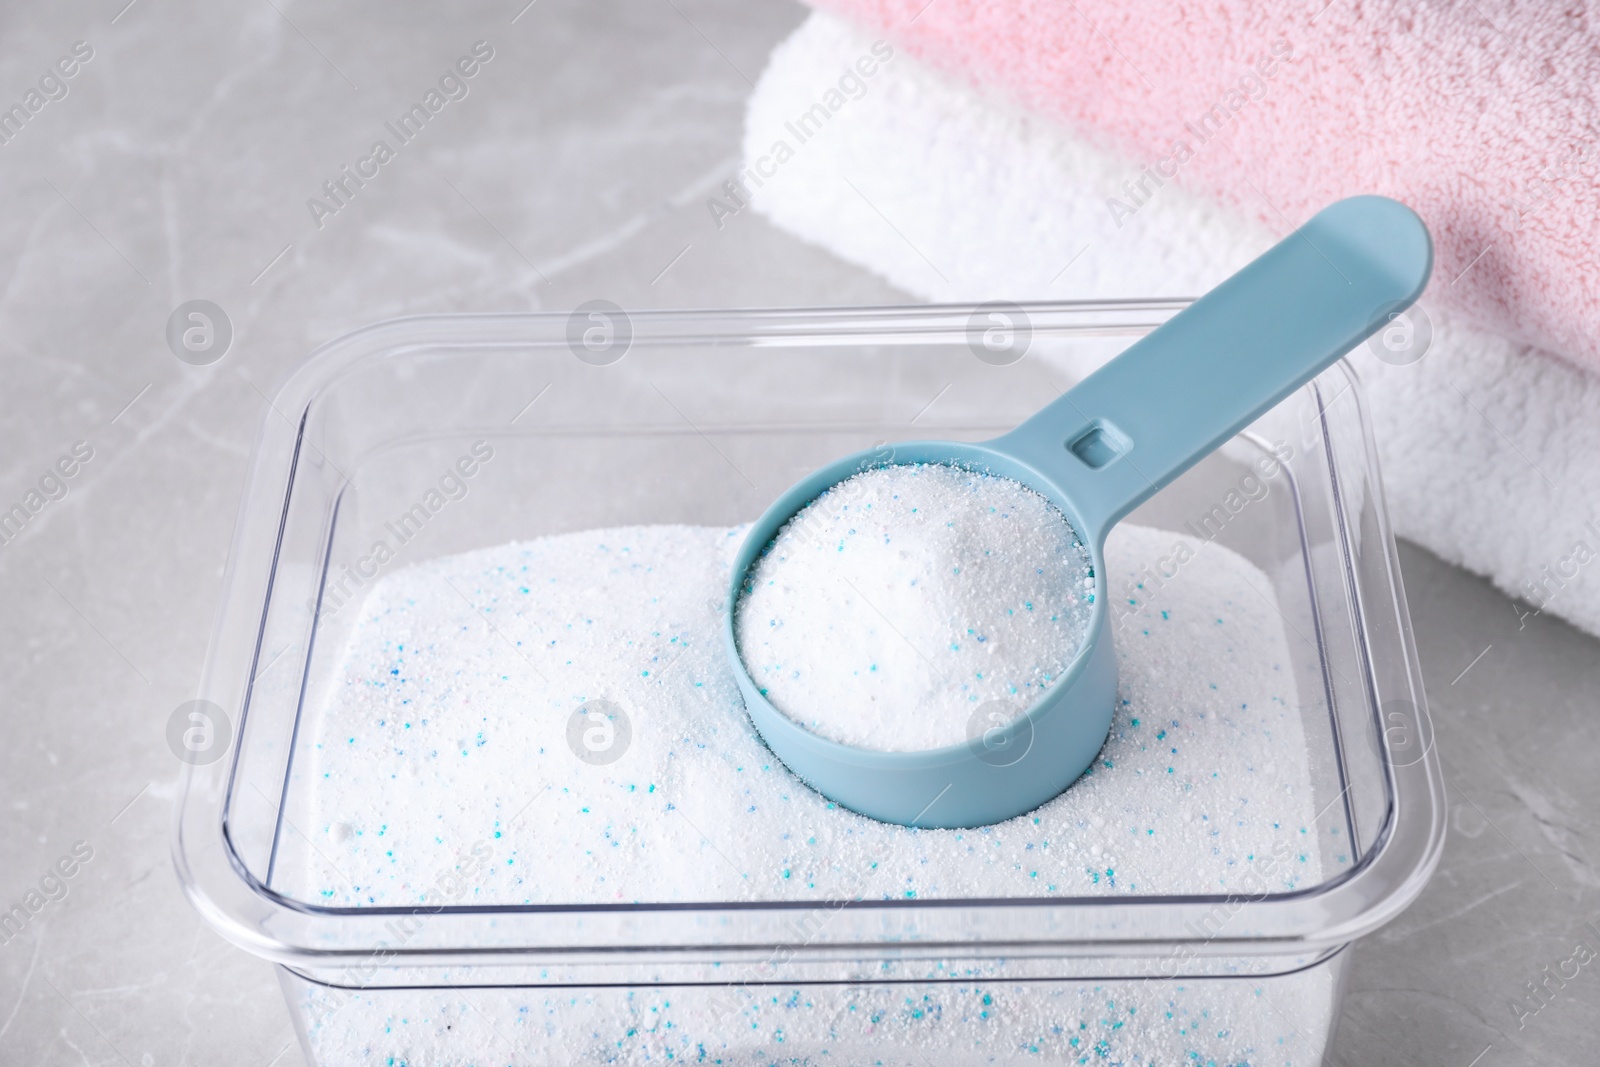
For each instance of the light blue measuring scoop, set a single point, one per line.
(1097, 453)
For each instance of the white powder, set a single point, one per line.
(1266, 1022)
(898, 601)
(447, 732)
(453, 700)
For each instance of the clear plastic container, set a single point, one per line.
(706, 418)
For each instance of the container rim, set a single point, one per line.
(1397, 863)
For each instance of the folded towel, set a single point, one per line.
(1487, 445)
(1483, 116)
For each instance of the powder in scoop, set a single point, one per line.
(903, 599)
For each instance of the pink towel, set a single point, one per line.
(1481, 115)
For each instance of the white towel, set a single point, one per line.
(1490, 450)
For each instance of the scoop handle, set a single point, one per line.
(1208, 372)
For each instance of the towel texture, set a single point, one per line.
(1483, 116)
(1487, 444)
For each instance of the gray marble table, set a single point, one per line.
(176, 163)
